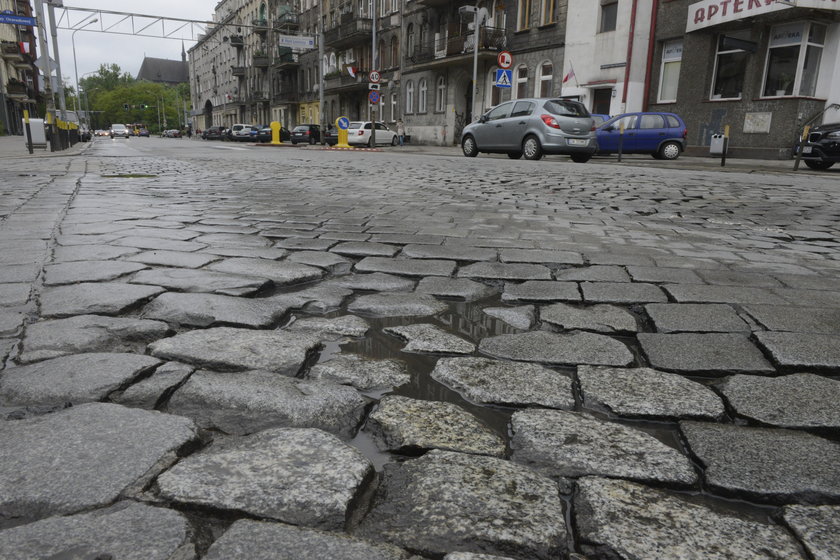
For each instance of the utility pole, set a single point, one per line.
(47, 69)
(373, 64)
(321, 105)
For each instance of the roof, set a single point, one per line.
(165, 71)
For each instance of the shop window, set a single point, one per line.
(793, 59)
(730, 67)
(521, 79)
(609, 15)
(545, 80)
(422, 91)
(523, 15)
(669, 75)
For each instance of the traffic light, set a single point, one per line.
(125, 106)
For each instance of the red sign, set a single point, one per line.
(374, 77)
(505, 60)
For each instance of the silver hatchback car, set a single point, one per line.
(533, 128)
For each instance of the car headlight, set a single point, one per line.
(833, 135)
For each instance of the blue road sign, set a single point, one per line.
(374, 97)
(504, 78)
(343, 123)
(15, 19)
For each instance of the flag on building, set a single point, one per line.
(352, 71)
(569, 76)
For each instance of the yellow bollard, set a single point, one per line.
(275, 133)
(342, 133)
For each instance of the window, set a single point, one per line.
(523, 15)
(410, 40)
(409, 97)
(522, 109)
(730, 67)
(495, 92)
(609, 15)
(393, 106)
(793, 59)
(652, 121)
(395, 51)
(521, 85)
(395, 5)
(500, 112)
(545, 78)
(669, 75)
(548, 14)
(422, 90)
(381, 55)
(629, 122)
(440, 95)
(498, 18)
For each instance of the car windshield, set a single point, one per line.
(118, 126)
(566, 108)
(301, 128)
(356, 125)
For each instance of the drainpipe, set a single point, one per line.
(629, 55)
(654, 11)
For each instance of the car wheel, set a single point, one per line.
(394, 141)
(514, 155)
(669, 150)
(818, 165)
(469, 146)
(531, 148)
(581, 158)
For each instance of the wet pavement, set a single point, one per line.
(408, 353)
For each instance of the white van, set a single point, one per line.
(240, 132)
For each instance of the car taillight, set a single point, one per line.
(306, 133)
(593, 129)
(361, 132)
(549, 121)
(685, 133)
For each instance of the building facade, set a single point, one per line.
(766, 69)
(18, 75)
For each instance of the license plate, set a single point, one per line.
(806, 149)
(576, 142)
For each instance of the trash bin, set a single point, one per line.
(718, 145)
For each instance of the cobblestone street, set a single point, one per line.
(224, 351)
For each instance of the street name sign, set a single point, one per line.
(14, 19)
(296, 41)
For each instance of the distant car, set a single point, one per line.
(359, 134)
(663, 135)
(240, 132)
(532, 127)
(264, 134)
(331, 136)
(306, 133)
(213, 133)
(103, 133)
(119, 131)
(172, 133)
(144, 132)
(821, 149)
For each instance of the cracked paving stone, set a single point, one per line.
(334, 264)
(159, 243)
(106, 298)
(406, 267)
(256, 540)
(246, 402)
(306, 244)
(592, 274)
(622, 292)
(817, 527)
(541, 256)
(88, 333)
(522, 317)
(14, 273)
(91, 253)
(570, 444)
(301, 476)
(272, 253)
(686, 293)
(607, 319)
(802, 350)
(449, 252)
(427, 338)
(715, 353)
(172, 258)
(226, 348)
(495, 382)
(817, 320)
(72, 379)
(404, 424)
(346, 325)
(360, 372)
(768, 464)
(232, 240)
(659, 275)
(365, 249)
(560, 349)
(505, 271)
(188, 280)
(88, 271)
(84, 457)
(397, 304)
(460, 288)
(111, 532)
(14, 294)
(473, 556)
(539, 291)
(204, 310)
(687, 317)
(148, 392)
(625, 520)
(447, 501)
(282, 273)
(801, 400)
(376, 282)
(11, 321)
(647, 393)
(320, 298)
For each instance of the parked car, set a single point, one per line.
(264, 134)
(213, 133)
(331, 136)
(663, 135)
(306, 133)
(144, 132)
(171, 133)
(532, 127)
(119, 130)
(821, 149)
(359, 134)
(599, 119)
(240, 132)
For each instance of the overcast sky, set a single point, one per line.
(95, 48)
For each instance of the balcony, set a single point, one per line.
(287, 21)
(237, 41)
(16, 89)
(260, 26)
(347, 34)
(286, 97)
(285, 59)
(455, 48)
(261, 61)
(346, 82)
(11, 51)
(258, 96)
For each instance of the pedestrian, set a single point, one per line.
(401, 131)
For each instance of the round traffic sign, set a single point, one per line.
(343, 123)
(374, 76)
(505, 60)
(374, 97)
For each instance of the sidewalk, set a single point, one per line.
(15, 147)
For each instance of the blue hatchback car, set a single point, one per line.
(663, 135)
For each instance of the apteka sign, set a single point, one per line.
(713, 12)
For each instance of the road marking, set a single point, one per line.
(228, 148)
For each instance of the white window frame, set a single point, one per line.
(422, 95)
(494, 91)
(393, 106)
(548, 12)
(544, 78)
(517, 80)
(804, 42)
(671, 54)
(523, 15)
(409, 97)
(440, 94)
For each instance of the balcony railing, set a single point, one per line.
(238, 71)
(286, 58)
(349, 33)
(490, 39)
(16, 88)
(344, 80)
(259, 96)
(260, 25)
(261, 61)
(287, 21)
(10, 51)
(237, 41)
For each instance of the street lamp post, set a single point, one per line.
(75, 66)
(479, 14)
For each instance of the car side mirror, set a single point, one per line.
(609, 128)
(482, 119)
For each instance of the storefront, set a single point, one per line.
(765, 68)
